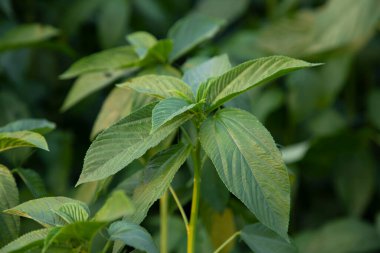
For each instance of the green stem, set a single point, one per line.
(191, 234)
(108, 244)
(232, 237)
(176, 199)
(164, 223)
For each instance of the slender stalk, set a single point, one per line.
(176, 199)
(164, 223)
(191, 235)
(232, 237)
(106, 247)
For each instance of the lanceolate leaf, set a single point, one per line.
(249, 164)
(73, 212)
(111, 59)
(41, 126)
(132, 235)
(156, 179)
(245, 76)
(10, 225)
(168, 109)
(159, 86)
(43, 210)
(261, 239)
(211, 68)
(123, 142)
(19, 139)
(190, 31)
(115, 207)
(27, 241)
(33, 181)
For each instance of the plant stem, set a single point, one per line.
(176, 199)
(105, 249)
(164, 223)
(232, 237)
(191, 235)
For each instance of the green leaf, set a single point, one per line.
(142, 42)
(88, 83)
(115, 207)
(249, 164)
(373, 107)
(340, 236)
(132, 235)
(159, 86)
(26, 35)
(156, 179)
(260, 239)
(26, 241)
(245, 76)
(19, 139)
(73, 212)
(210, 68)
(229, 10)
(190, 31)
(43, 210)
(33, 181)
(158, 53)
(41, 126)
(10, 225)
(111, 59)
(123, 142)
(167, 110)
(295, 152)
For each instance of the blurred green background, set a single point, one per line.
(326, 120)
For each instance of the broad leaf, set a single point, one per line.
(249, 164)
(26, 241)
(211, 68)
(219, 90)
(132, 235)
(43, 210)
(159, 86)
(190, 31)
(10, 225)
(73, 212)
(115, 207)
(41, 126)
(19, 139)
(167, 110)
(260, 239)
(156, 179)
(141, 42)
(33, 181)
(123, 142)
(111, 59)
(26, 35)
(88, 83)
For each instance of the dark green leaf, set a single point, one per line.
(33, 181)
(26, 241)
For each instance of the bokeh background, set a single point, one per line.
(326, 120)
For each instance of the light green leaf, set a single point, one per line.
(249, 164)
(41, 126)
(115, 207)
(123, 142)
(107, 60)
(142, 42)
(295, 152)
(33, 181)
(73, 212)
(190, 31)
(118, 104)
(43, 210)
(245, 76)
(156, 178)
(115, 14)
(167, 110)
(26, 35)
(19, 139)
(340, 236)
(260, 239)
(210, 68)
(132, 235)
(88, 83)
(26, 241)
(158, 53)
(10, 225)
(159, 86)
